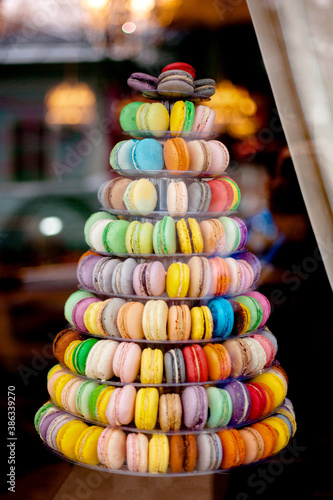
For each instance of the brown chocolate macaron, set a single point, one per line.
(62, 340)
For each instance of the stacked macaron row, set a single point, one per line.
(128, 362)
(194, 407)
(125, 196)
(106, 235)
(176, 79)
(198, 157)
(155, 453)
(198, 277)
(182, 118)
(155, 320)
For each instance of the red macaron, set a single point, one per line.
(196, 363)
(180, 66)
(258, 400)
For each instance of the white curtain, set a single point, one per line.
(296, 41)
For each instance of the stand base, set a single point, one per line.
(93, 485)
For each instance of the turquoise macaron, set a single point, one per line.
(147, 155)
(223, 316)
(220, 407)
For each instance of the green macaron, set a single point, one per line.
(93, 400)
(220, 407)
(83, 395)
(164, 236)
(114, 236)
(127, 118)
(80, 355)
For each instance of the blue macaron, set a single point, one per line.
(147, 154)
(223, 317)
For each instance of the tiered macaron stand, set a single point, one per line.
(161, 179)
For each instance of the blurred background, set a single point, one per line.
(64, 67)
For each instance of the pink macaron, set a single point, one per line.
(149, 279)
(268, 347)
(126, 361)
(203, 119)
(137, 452)
(111, 448)
(219, 157)
(121, 405)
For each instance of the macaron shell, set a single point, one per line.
(86, 446)
(209, 452)
(126, 361)
(176, 154)
(269, 436)
(130, 320)
(183, 452)
(146, 408)
(219, 157)
(107, 316)
(137, 452)
(179, 322)
(254, 444)
(68, 435)
(233, 448)
(158, 454)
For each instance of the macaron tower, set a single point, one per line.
(166, 365)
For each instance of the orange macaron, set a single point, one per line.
(233, 448)
(269, 435)
(176, 154)
(183, 452)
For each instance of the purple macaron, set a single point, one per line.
(46, 420)
(85, 269)
(142, 82)
(54, 427)
(195, 407)
(241, 401)
(78, 313)
(149, 279)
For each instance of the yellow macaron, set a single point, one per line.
(90, 317)
(68, 435)
(275, 383)
(190, 236)
(102, 403)
(58, 387)
(85, 448)
(146, 407)
(283, 433)
(158, 454)
(151, 370)
(178, 279)
(68, 356)
(201, 323)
